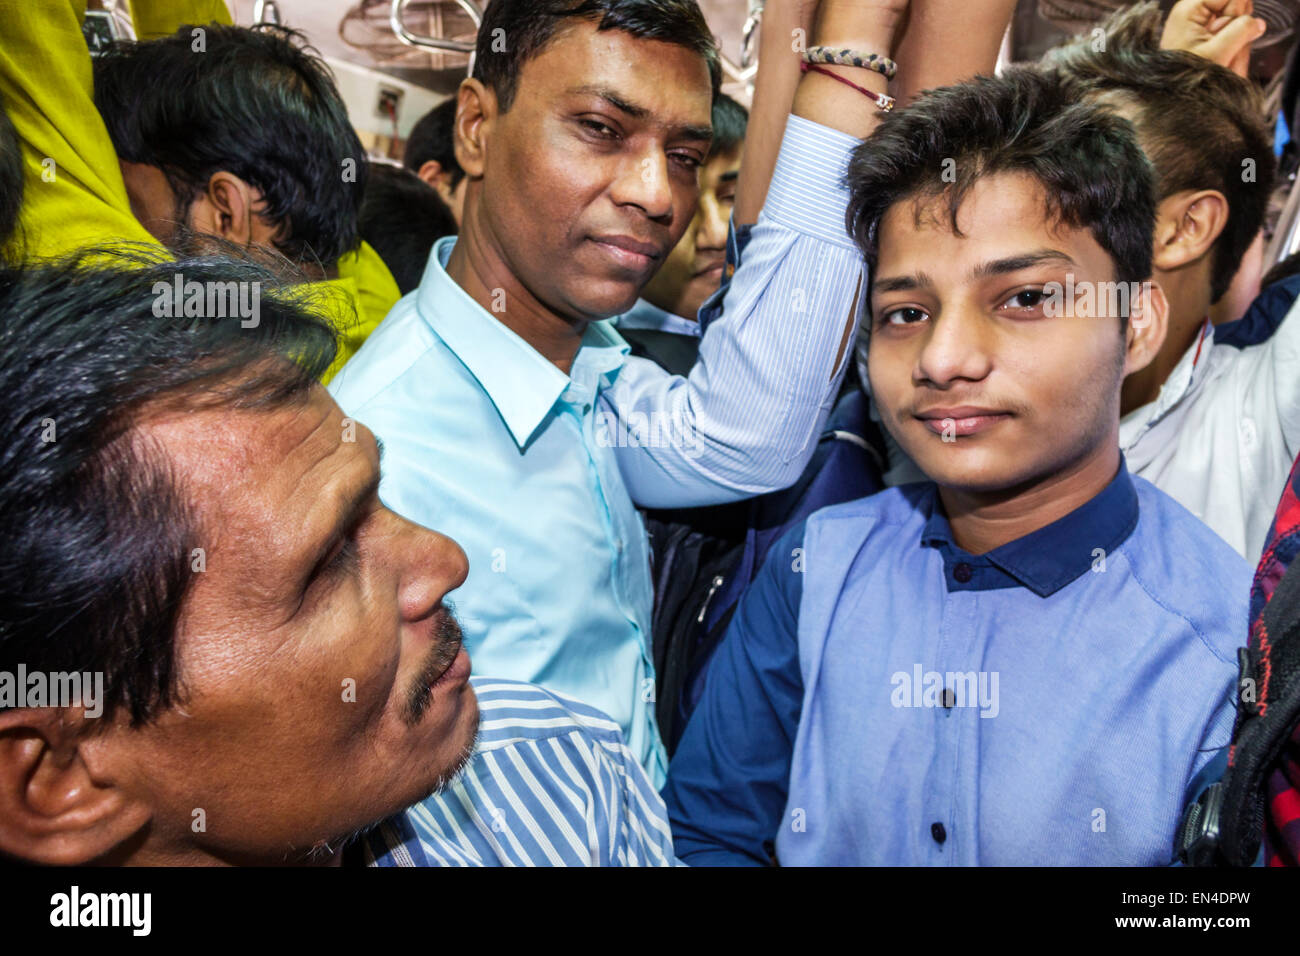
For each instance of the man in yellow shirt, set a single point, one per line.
(77, 191)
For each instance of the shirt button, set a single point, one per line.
(962, 572)
(938, 832)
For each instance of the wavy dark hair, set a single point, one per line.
(255, 102)
(1093, 173)
(515, 31)
(95, 531)
(1201, 124)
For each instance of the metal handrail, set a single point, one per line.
(266, 11)
(745, 71)
(473, 11)
(431, 43)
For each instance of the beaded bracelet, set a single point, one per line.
(886, 103)
(866, 61)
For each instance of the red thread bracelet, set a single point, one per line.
(886, 103)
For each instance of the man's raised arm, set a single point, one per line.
(746, 419)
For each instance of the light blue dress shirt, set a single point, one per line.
(538, 474)
(551, 783)
(884, 697)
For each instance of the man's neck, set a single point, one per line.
(1189, 302)
(476, 267)
(981, 522)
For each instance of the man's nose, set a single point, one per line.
(643, 182)
(956, 348)
(432, 565)
(712, 222)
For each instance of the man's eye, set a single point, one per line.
(1025, 299)
(600, 129)
(904, 316)
(345, 560)
(687, 160)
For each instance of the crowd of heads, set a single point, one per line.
(1064, 167)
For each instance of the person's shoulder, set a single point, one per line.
(1187, 569)
(399, 351)
(511, 711)
(892, 506)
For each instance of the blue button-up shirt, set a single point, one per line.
(538, 474)
(884, 697)
(551, 783)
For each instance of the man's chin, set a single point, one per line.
(459, 740)
(976, 471)
(603, 297)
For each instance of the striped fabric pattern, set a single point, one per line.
(551, 783)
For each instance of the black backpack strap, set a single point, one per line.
(1224, 824)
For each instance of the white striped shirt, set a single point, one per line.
(551, 783)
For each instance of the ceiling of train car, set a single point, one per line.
(358, 31)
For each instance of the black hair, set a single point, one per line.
(11, 178)
(729, 122)
(434, 138)
(255, 102)
(1201, 124)
(95, 532)
(515, 31)
(402, 217)
(1087, 160)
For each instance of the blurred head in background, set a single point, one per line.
(238, 133)
(431, 155)
(693, 270)
(402, 218)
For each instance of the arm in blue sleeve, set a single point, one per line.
(746, 419)
(728, 781)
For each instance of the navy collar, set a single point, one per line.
(1046, 560)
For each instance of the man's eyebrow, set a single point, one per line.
(614, 100)
(730, 176)
(702, 133)
(355, 504)
(902, 283)
(999, 267)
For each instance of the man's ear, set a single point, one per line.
(229, 208)
(1148, 324)
(434, 175)
(1187, 225)
(476, 110)
(58, 806)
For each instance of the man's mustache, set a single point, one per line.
(447, 641)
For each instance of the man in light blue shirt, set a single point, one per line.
(1026, 659)
(512, 417)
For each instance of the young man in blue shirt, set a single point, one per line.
(1026, 659)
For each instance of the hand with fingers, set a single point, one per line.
(1219, 30)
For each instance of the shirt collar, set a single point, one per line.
(393, 842)
(647, 315)
(520, 382)
(1046, 560)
